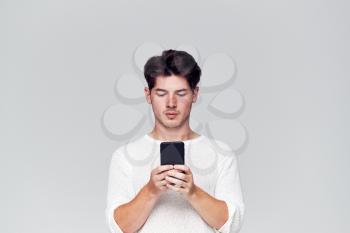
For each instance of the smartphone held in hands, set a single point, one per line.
(172, 153)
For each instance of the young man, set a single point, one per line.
(144, 196)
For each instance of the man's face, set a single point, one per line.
(171, 94)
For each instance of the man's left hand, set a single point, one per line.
(182, 179)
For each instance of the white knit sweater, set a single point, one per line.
(214, 168)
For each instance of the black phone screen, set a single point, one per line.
(172, 153)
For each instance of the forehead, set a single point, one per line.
(171, 83)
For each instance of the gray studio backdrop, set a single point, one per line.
(59, 64)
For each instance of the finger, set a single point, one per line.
(175, 170)
(161, 183)
(182, 167)
(161, 176)
(176, 189)
(174, 180)
(162, 168)
(177, 174)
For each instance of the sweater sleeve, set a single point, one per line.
(120, 189)
(228, 189)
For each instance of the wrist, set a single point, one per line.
(193, 194)
(150, 191)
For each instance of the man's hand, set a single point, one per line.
(181, 179)
(212, 210)
(157, 183)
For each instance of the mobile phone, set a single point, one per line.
(172, 153)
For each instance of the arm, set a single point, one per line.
(132, 215)
(212, 210)
(223, 211)
(125, 211)
(228, 189)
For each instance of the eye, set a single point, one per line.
(182, 94)
(158, 94)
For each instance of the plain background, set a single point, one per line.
(59, 61)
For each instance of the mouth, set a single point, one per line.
(171, 114)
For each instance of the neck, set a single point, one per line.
(188, 135)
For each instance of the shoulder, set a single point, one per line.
(119, 161)
(129, 150)
(118, 155)
(222, 148)
(118, 152)
(128, 145)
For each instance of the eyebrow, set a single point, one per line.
(160, 89)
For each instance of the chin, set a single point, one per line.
(173, 124)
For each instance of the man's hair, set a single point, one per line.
(172, 62)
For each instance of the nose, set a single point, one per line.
(171, 103)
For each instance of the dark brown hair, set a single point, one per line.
(172, 62)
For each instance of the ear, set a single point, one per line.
(195, 94)
(148, 95)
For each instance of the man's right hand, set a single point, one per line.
(131, 216)
(157, 182)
